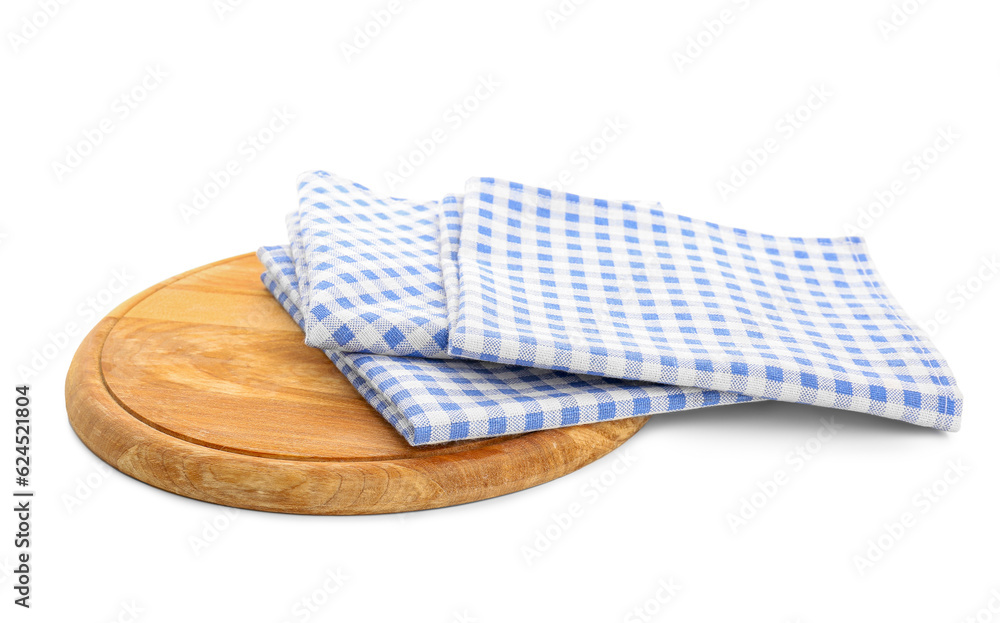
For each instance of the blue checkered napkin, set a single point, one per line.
(372, 269)
(434, 400)
(557, 281)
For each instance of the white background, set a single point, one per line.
(63, 237)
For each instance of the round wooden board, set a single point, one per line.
(202, 385)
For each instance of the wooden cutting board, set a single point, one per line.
(202, 386)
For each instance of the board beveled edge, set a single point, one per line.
(314, 487)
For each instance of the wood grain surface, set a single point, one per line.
(202, 386)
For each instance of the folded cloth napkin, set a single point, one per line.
(549, 282)
(372, 267)
(558, 281)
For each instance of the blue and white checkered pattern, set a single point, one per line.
(625, 290)
(435, 400)
(559, 309)
(373, 271)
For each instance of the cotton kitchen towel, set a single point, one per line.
(625, 290)
(435, 400)
(372, 269)
(617, 289)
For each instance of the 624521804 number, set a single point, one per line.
(22, 437)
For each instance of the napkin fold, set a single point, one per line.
(509, 308)
(372, 267)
